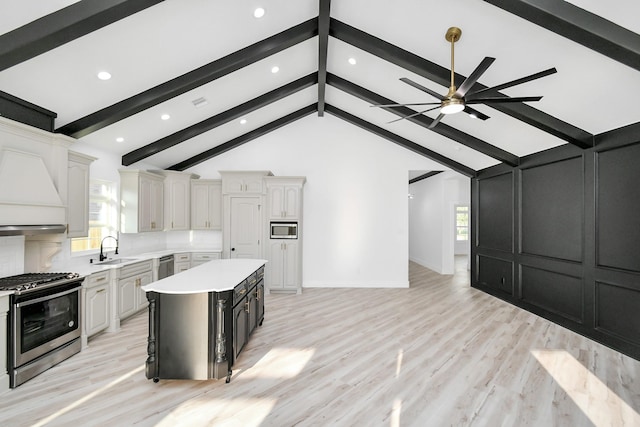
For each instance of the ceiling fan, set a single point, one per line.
(457, 99)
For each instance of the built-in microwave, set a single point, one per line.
(284, 230)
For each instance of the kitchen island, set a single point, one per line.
(200, 319)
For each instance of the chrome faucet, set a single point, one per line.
(104, 256)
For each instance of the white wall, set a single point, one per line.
(431, 219)
(355, 199)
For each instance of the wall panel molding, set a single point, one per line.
(616, 311)
(595, 291)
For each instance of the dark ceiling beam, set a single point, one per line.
(424, 176)
(324, 18)
(441, 75)
(580, 26)
(219, 119)
(249, 136)
(63, 26)
(424, 121)
(403, 142)
(191, 80)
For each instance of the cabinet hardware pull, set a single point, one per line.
(247, 307)
(100, 279)
(100, 290)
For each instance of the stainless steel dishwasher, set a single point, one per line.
(165, 268)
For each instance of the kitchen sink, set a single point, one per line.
(115, 261)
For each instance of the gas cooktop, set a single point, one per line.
(27, 281)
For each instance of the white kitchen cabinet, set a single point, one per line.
(206, 204)
(181, 262)
(97, 302)
(4, 312)
(78, 194)
(177, 198)
(131, 298)
(284, 197)
(142, 201)
(284, 267)
(243, 182)
(198, 258)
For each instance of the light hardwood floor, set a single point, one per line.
(437, 354)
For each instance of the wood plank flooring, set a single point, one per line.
(437, 354)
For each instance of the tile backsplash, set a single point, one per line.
(11, 255)
(12, 249)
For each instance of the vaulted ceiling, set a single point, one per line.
(208, 65)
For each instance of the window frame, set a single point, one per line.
(109, 200)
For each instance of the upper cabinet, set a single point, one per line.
(78, 194)
(284, 197)
(206, 204)
(142, 201)
(249, 182)
(177, 199)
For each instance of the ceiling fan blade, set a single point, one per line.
(422, 88)
(474, 76)
(503, 99)
(475, 113)
(404, 105)
(436, 121)
(414, 114)
(514, 82)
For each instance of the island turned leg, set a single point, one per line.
(222, 366)
(151, 364)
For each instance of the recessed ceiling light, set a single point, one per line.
(258, 13)
(243, 121)
(165, 117)
(119, 139)
(275, 69)
(352, 61)
(104, 75)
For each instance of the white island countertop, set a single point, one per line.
(213, 276)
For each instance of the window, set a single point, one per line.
(103, 216)
(462, 223)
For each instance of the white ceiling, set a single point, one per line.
(174, 37)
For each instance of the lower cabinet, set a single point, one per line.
(181, 262)
(284, 266)
(97, 302)
(248, 309)
(240, 321)
(131, 298)
(198, 258)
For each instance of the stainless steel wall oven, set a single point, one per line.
(44, 322)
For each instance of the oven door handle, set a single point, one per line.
(46, 297)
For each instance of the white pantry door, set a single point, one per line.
(245, 230)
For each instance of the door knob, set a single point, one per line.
(233, 249)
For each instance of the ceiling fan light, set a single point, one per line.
(452, 106)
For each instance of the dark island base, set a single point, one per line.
(199, 336)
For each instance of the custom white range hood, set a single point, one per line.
(29, 201)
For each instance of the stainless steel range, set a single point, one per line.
(44, 322)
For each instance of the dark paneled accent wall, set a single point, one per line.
(559, 235)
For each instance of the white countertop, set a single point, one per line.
(213, 276)
(86, 269)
